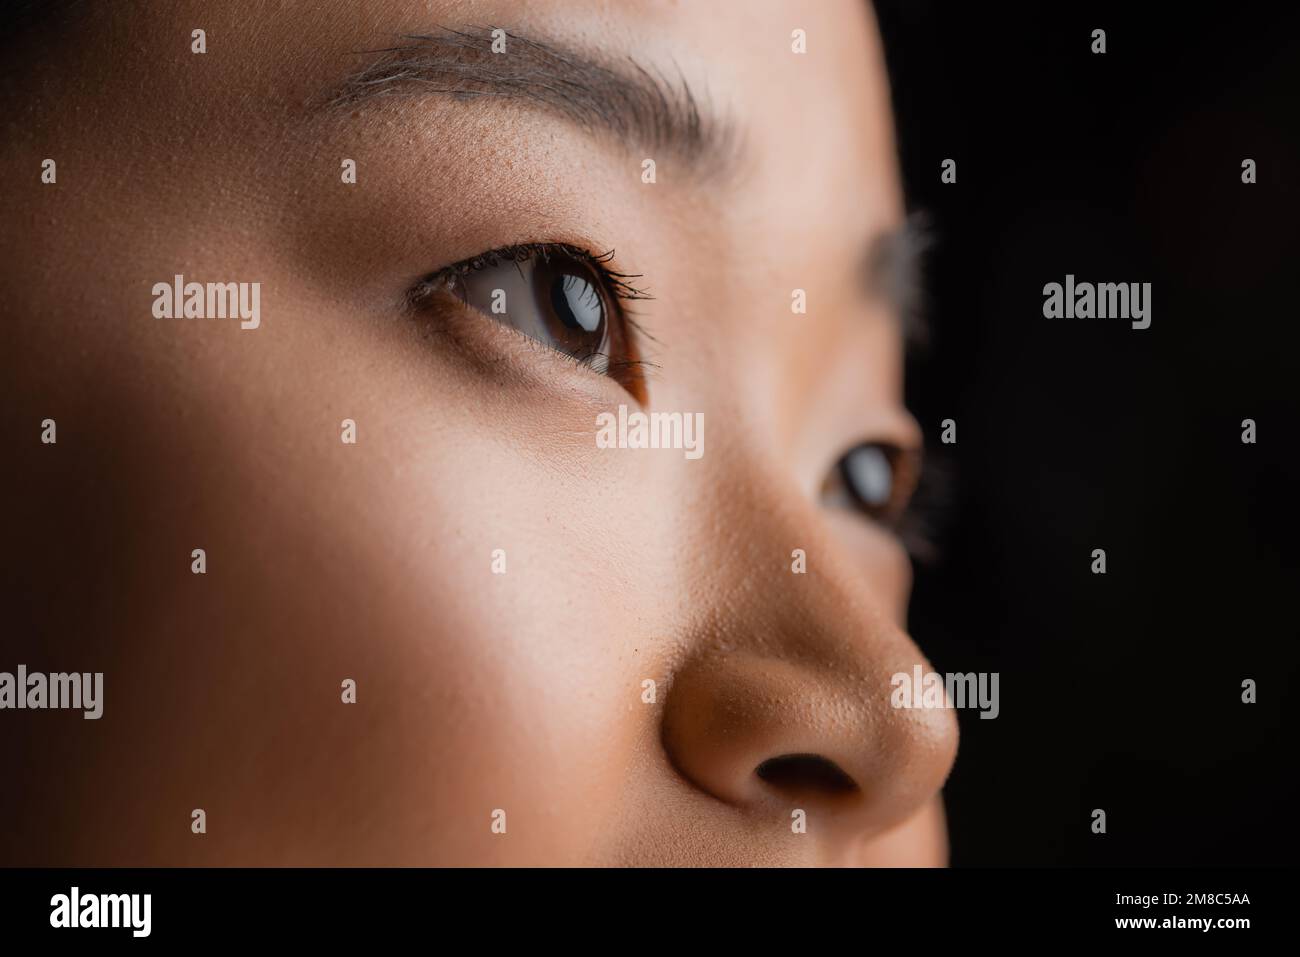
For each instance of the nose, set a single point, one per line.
(786, 703)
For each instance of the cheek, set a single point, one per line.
(373, 562)
(509, 627)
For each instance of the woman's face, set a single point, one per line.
(499, 586)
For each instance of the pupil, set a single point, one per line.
(869, 475)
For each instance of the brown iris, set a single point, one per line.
(571, 306)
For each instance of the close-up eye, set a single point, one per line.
(876, 478)
(557, 294)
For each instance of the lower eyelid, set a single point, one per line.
(500, 352)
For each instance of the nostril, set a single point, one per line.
(805, 773)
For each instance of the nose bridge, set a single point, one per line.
(786, 678)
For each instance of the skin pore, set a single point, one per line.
(476, 691)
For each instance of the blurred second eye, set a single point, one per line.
(875, 478)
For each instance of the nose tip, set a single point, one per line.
(769, 735)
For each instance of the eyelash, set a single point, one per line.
(618, 283)
(620, 287)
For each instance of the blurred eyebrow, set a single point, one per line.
(634, 105)
(892, 271)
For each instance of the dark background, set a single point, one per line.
(1119, 691)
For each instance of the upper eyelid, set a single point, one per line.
(619, 283)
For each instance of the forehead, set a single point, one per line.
(816, 123)
(813, 119)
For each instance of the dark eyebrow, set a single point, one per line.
(892, 271)
(633, 104)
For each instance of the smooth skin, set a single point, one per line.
(476, 691)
